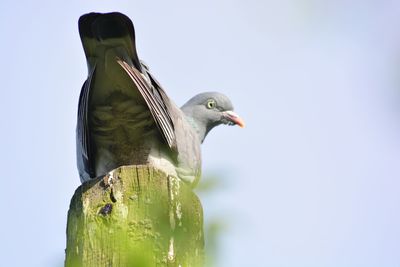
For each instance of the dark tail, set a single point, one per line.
(95, 28)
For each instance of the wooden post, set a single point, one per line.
(136, 216)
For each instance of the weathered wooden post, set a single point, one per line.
(135, 216)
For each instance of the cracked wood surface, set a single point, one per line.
(135, 216)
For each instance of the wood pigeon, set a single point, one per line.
(124, 115)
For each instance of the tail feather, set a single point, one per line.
(108, 29)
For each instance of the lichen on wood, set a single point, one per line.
(135, 216)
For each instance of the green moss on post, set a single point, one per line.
(135, 216)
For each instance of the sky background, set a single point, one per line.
(312, 181)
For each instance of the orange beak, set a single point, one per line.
(234, 118)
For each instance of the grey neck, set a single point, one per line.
(199, 128)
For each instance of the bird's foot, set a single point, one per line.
(109, 179)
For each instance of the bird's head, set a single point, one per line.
(210, 109)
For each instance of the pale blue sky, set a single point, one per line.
(313, 181)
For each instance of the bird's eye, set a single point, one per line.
(211, 104)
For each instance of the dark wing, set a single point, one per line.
(83, 133)
(115, 28)
(93, 29)
(156, 100)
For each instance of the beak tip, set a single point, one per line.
(233, 117)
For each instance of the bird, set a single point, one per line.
(125, 116)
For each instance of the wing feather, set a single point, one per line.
(83, 132)
(157, 105)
